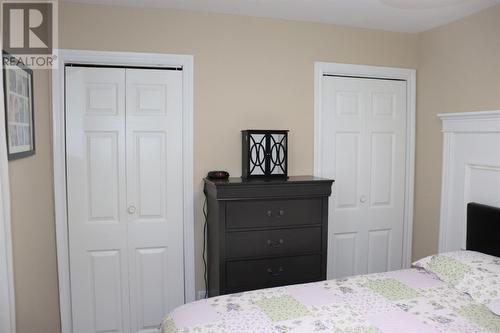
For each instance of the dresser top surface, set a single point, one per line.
(235, 181)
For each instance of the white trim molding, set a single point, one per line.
(480, 121)
(408, 75)
(460, 162)
(58, 137)
(7, 298)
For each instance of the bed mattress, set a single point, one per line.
(412, 300)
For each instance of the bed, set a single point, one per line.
(450, 292)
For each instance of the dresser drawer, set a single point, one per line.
(270, 213)
(273, 242)
(255, 274)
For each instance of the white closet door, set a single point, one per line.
(364, 148)
(97, 217)
(125, 209)
(154, 194)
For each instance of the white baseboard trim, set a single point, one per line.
(200, 294)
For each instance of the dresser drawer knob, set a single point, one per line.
(281, 213)
(277, 273)
(275, 244)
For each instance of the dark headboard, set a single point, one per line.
(483, 229)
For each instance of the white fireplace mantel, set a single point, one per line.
(471, 171)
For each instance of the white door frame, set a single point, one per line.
(59, 144)
(7, 298)
(409, 75)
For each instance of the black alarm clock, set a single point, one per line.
(218, 175)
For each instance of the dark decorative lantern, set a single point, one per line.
(264, 153)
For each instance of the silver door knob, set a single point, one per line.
(131, 209)
(362, 198)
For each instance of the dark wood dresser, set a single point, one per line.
(266, 233)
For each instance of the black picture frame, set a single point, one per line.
(19, 110)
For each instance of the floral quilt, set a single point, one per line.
(473, 273)
(406, 301)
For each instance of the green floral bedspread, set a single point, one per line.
(401, 301)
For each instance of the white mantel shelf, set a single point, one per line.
(480, 121)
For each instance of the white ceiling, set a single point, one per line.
(393, 15)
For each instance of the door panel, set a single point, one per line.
(97, 223)
(378, 250)
(150, 175)
(363, 135)
(342, 262)
(381, 168)
(106, 295)
(384, 104)
(152, 286)
(347, 167)
(154, 193)
(348, 103)
(102, 168)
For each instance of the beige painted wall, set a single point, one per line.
(458, 71)
(249, 72)
(253, 73)
(33, 229)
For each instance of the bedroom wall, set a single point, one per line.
(249, 73)
(252, 73)
(458, 71)
(33, 229)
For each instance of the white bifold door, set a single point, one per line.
(124, 185)
(363, 148)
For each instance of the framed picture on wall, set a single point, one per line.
(19, 113)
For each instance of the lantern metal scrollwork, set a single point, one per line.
(264, 153)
